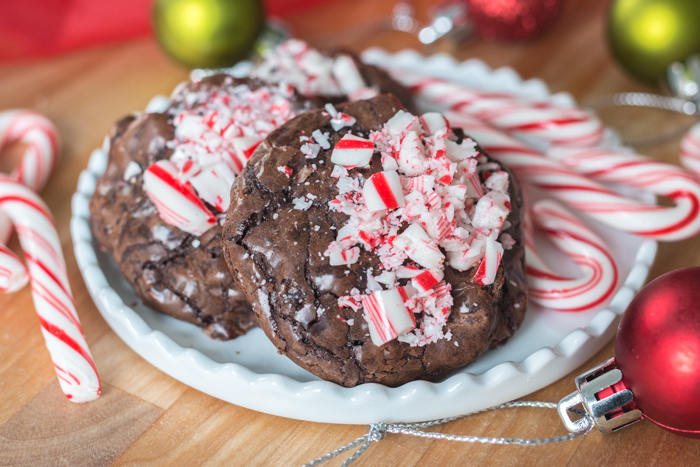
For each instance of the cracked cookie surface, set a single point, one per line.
(173, 272)
(275, 253)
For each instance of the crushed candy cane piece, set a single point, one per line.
(176, 202)
(428, 209)
(217, 129)
(340, 257)
(341, 120)
(310, 150)
(387, 316)
(131, 170)
(339, 171)
(347, 75)
(303, 203)
(383, 191)
(420, 247)
(330, 108)
(402, 122)
(321, 139)
(308, 70)
(488, 268)
(491, 210)
(353, 151)
(213, 185)
(288, 171)
(411, 158)
(433, 122)
(426, 280)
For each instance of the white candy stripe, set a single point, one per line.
(690, 149)
(53, 300)
(13, 273)
(624, 168)
(538, 119)
(587, 195)
(599, 274)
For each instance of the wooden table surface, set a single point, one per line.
(145, 416)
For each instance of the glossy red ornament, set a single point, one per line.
(511, 19)
(658, 351)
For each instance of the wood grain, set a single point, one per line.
(146, 417)
(47, 431)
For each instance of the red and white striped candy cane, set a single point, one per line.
(599, 278)
(690, 149)
(633, 170)
(40, 137)
(53, 300)
(537, 119)
(589, 196)
(41, 140)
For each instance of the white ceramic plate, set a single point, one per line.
(248, 372)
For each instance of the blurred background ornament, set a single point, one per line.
(208, 33)
(456, 21)
(512, 19)
(646, 36)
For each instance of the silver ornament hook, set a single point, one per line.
(684, 84)
(377, 432)
(604, 410)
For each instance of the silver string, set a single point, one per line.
(653, 101)
(377, 431)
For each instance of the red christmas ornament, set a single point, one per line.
(656, 370)
(511, 19)
(658, 351)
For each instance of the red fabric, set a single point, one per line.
(38, 28)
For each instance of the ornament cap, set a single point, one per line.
(603, 397)
(684, 79)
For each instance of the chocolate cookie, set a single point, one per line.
(175, 271)
(338, 76)
(393, 254)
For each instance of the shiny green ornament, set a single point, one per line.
(208, 33)
(646, 36)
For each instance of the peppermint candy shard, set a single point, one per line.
(383, 191)
(433, 122)
(176, 202)
(213, 185)
(411, 158)
(387, 316)
(245, 146)
(465, 258)
(426, 280)
(347, 75)
(340, 257)
(353, 151)
(321, 139)
(420, 247)
(341, 120)
(488, 268)
(491, 210)
(402, 121)
(330, 108)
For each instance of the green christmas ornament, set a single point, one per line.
(208, 33)
(646, 36)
